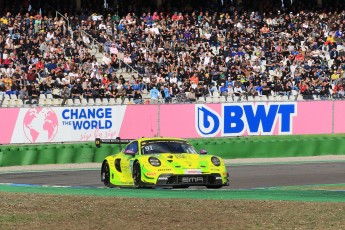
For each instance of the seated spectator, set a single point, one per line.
(324, 94)
(45, 88)
(87, 93)
(174, 90)
(65, 94)
(238, 92)
(34, 94)
(266, 90)
(224, 91)
(307, 93)
(75, 93)
(137, 98)
(96, 92)
(113, 92)
(338, 91)
(121, 94)
(165, 93)
(154, 95)
(23, 94)
(191, 96)
(129, 92)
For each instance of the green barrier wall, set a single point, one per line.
(228, 148)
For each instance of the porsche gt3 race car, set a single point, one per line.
(161, 162)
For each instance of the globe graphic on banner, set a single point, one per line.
(40, 125)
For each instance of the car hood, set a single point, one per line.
(184, 160)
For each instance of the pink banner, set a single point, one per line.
(8, 119)
(140, 121)
(73, 124)
(313, 118)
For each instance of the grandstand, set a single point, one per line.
(222, 54)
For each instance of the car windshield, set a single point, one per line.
(166, 146)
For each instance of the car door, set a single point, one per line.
(127, 161)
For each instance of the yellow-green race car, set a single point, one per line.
(161, 162)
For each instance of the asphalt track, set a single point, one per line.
(241, 176)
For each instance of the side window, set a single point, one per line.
(133, 147)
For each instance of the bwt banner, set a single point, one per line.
(73, 124)
(240, 119)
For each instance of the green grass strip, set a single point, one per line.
(255, 194)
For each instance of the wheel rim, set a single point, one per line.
(106, 175)
(137, 174)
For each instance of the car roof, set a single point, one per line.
(159, 139)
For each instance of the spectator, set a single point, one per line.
(121, 94)
(87, 93)
(33, 92)
(96, 92)
(191, 96)
(23, 94)
(65, 94)
(45, 88)
(137, 98)
(129, 92)
(224, 91)
(76, 93)
(154, 95)
(238, 92)
(165, 92)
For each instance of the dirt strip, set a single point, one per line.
(326, 158)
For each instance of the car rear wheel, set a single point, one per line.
(106, 174)
(137, 175)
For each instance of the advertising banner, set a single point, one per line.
(241, 119)
(75, 124)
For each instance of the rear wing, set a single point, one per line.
(117, 141)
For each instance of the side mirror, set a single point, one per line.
(129, 152)
(203, 151)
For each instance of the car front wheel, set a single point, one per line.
(106, 174)
(137, 175)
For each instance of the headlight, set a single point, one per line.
(215, 161)
(154, 161)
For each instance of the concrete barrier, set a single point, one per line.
(228, 148)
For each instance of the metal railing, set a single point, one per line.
(58, 13)
(94, 44)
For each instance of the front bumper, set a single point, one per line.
(213, 179)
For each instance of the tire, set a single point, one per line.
(214, 186)
(137, 175)
(105, 174)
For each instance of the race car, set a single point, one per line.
(161, 162)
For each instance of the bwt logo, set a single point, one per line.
(256, 119)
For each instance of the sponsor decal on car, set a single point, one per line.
(192, 171)
(192, 179)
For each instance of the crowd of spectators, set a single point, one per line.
(195, 53)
